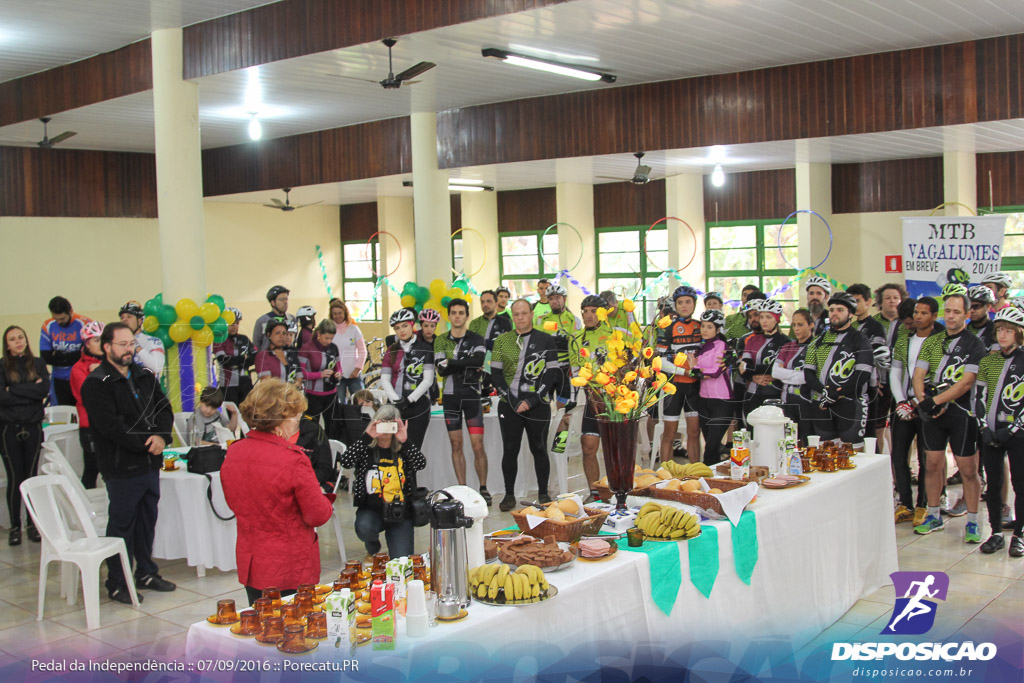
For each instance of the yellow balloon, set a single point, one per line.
(179, 331)
(186, 309)
(408, 300)
(209, 312)
(437, 288)
(202, 337)
(434, 303)
(455, 293)
(229, 316)
(150, 324)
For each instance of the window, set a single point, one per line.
(457, 254)
(747, 252)
(1013, 246)
(521, 261)
(359, 262)
(623, 268)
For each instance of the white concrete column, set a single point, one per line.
(431, 202)
(814, 193)
(395, 216)
(480, 239)
(959, 182)
(574, 204)
(179, 172)
(684, 199)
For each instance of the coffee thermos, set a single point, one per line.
(449, 562)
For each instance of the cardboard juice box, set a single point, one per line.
(340, 608)
(383, 615)
(399, 572)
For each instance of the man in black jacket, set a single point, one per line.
(131, 420)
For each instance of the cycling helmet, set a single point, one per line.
(754, 305)
(844, 299)
(1017, 302)
(93, 328)
(714, 295)
(713, 316)
(305, 312)
(1012, 315)
(818, 281)
(954, 288)
(429, 315)
(771, 306)
(132, 307)
(238, 313)
(998, 278)
(981, 293)
(557, 290)
(276, 291)
(684, 290)
(501, 289)
(402, 315)
(592, 301)
(293, 326)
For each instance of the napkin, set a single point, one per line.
(666, 575)
(733, 501)
(704, 559)
(744, 546)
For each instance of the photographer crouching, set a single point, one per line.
(385, 467)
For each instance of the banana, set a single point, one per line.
(492, 589)
(678, 533)
(535, 590)
(481, 590)
(521, 582)
(510, 591)
(502, 574)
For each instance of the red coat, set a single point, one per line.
(270, 486)
(79, 371)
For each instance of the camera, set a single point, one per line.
(387, 427)
(394, 511)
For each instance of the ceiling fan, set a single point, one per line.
(641, 174)
(286, 205)
(394, 81)
(47, 142)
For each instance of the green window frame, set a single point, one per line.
(520, 261)
(626, 267)
(358, 263)
(738, 253)
(1013, 244)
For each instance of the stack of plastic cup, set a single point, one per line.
(416, 622)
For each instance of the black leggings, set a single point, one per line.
(20, 443)
(90, 470)
(535, 423)
(321, 405)
(845, 419)
(903, 434)
(418, 417)
(715, 418)
(992, 458)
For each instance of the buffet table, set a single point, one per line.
(822, 546)
(187, 528)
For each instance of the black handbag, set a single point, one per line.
(203, 460)
(418, 504)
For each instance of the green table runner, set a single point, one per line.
(666, 575)
(704, 559)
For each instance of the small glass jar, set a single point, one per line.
(635, 537)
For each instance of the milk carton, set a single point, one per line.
(399, 572)
(340, 608)
(382, 614)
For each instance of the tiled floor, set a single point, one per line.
(985, 589)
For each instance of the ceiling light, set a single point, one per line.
(545, 54)
(547, 65)
(465, 181)
(467, 188)
(718, 176)
(460, 186)
(255, 129)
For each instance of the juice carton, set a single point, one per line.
(740, 439)
(399, 572)
(382, 614)
(739, 463)
(340, 608)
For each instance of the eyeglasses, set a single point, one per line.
(125, 345)
(975, 307)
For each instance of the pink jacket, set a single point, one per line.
(715, 383)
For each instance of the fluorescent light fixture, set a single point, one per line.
(253, 89)
(460, 186)
(465, 181)
(547, 65)
(255, 129)
(466, 188)
(718, 176)
(545, 54)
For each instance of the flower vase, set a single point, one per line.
(618, 443)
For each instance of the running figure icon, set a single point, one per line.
(914, 612)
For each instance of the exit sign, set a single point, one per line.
(894, 263)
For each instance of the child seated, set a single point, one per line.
(200, 427)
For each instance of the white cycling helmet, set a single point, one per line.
(981, 293)
(1017, 302)
(754, 305)
(771, 306)
(713, 315)
(305, 312)
(402, 315)
(818, 281)
(998, 278)
(557, 289)
(1012, 315)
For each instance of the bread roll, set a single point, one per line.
(555, 513)
(714, 490)
(532, 511)
(646, 480)
(569, 507)
(690, 486)
(663, 473)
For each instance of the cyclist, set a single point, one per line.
(789, 370)
(149, 350)
(541, 306)
(594, 338)
(818, 290)
(1001, 408)
(279, 359)
(503, 295)
(888, 298)
(1000, 283)
(681, 336)
(235, 356)
(561, 325)
(459, 359)
(352, 350)
(736, 324)
(619, 318)
(715, 385)
(429, 319)
(321, 375)
(982, 300)
(837, 368)
(524, 370)
(277, 296)
(878, 405)
(306, 318)
(760, 350)
(407, 373)
(489, 326)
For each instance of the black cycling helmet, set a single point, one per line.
(713, 315)
(276, 291)
(684, 290)
(714, 295)
(845, 299)
(593, 301)
(132, 307)
(501, 289)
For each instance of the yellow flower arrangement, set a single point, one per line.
(628, 306)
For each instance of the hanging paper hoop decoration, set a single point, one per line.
(945, 204)
(778, 244)
(692, 235)
(540, 244)
(482, 263)
(385, 232)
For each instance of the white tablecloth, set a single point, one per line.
(186, 526)
(822, 547)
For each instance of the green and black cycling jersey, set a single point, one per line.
(1000, 388)
(890, 328)
(460, 361)
(566, 325)
(595, 340)
(986, 333)
(490, 328)
(948, 357)
(524, 367)
(839, 362)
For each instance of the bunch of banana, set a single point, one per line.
(692, 469)
(665, 521)
(497, 582)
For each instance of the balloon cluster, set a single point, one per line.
(204, 324)
(437, 296)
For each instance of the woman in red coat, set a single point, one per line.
(270, 485)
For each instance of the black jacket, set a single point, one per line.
(21, 401)
(122, 420)
(313, 440)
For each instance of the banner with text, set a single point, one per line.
(938, 250)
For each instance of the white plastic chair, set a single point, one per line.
(223, 435)
(95, 500)
(61, 415)
(243, 428)
(181, 427)
(337, 449)
(58, 542)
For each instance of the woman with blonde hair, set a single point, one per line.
(269, 484)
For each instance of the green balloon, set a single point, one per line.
(216, 299)
(219, 336)
(422, 295)
(418, 307)
(159, 298)
(219, 325)
(445, 300)
(165, 339)
(410, 288)
(197, 322)
(152, 307)
(166, 314)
